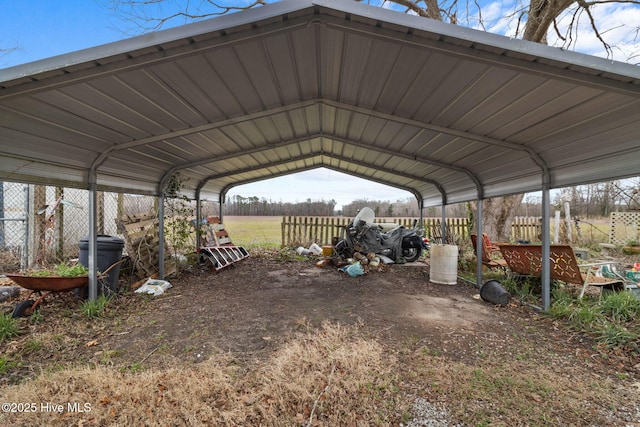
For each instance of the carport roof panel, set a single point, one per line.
(411, 102)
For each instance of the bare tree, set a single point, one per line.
(151, 15)
(628, 194)
(7, 50)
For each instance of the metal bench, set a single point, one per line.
(526, 260)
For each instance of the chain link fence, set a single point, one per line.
(13, 226)
(45, 224)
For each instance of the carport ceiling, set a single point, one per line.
(414, 103)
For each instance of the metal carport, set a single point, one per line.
(446, 112)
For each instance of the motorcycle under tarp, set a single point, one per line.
(362, 235)
(368, 238)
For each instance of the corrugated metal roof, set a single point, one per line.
(445, 112)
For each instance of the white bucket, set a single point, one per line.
(444, 264)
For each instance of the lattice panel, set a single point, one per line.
(625, 227)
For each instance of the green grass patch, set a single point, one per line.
(255, 231)
(620, 306)
(496, 393)
(524, 288)
(586, 317)
(613, 334)
(63, 270)
(6, 364)
(96, 308)
(8, 327)
(36, 317)
(563, 303)
(611, 319)
(33, 344)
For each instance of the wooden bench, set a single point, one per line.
(526, 260)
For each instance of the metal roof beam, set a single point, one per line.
(334, 104)
(226, 188)
(499, 51)
(426, 160)
(201, 162)
(202, 128)
(535, 157)
(436, 184)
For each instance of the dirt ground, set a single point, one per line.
(251, 308)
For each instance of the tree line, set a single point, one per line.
(586, 201)
(260, 206)
(402, 208)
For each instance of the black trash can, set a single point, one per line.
(109, 252)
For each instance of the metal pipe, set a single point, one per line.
(546, 249)
(443, 225)
(93, 239)
(161, 235)
(198, 225)
(24, 259)
(479, 243)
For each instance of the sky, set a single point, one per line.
(38, 29)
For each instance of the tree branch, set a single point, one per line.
(594, 27)
(149, 15)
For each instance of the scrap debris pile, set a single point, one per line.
(365, 245)
(356, 265)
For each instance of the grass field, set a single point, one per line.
(254, 231)
(266, 231)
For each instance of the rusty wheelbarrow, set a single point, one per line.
(43, 286)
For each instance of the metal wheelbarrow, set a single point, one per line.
(44, 286)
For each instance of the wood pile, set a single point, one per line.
(216, 235)
(142, 243)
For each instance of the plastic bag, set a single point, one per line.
(354, 269)
(315, 249)
(154, 287)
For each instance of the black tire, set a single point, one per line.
(24, 309)
(202, 260)
(411, 254)
(342, 249)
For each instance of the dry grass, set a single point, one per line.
(9, 260)
(321, 377)
(521, 393)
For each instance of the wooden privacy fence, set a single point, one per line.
(301, 230)
(527, 228)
